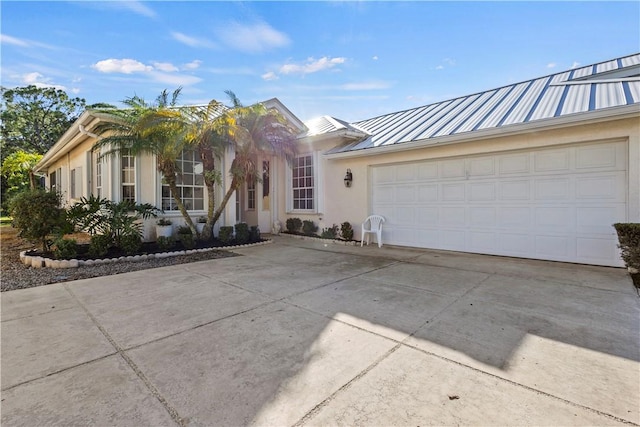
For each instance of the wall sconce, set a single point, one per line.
(348, 178)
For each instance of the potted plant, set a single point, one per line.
(164, 228)
(201, 223)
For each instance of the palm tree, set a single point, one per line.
(252, 132)
(156, 129)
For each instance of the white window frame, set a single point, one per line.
(172, 207)
(317, 186)
(250, 192)
(133, 169)
(75, 183)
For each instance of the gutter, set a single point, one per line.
(615, 113)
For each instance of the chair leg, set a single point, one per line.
(379, 239)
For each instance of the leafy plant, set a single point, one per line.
(309, 228)
(99, 245)
(293, 225)
(116, 220)
(226, 233)
(346, 231)
(242, 233)
(38, 215)
(629, 238)
(188, 240)
(65, 248)
(254, 233)
(130, 243)
(163, 222)
(202, 220)
(184, 229)
(165, 243)
(330, 232)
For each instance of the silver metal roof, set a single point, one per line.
(614, 83)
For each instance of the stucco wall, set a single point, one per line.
(353, 204)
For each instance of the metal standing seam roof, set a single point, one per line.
(609, 84)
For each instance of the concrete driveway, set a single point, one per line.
(302, 333)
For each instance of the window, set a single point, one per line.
(53, 181)
(128, 162)
(303, 183)
(73, 183)
(251, 194)
(190, 185)
(98, 172)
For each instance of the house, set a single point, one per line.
(538, 169)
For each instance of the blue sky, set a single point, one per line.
(351, 60)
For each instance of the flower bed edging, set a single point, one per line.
(320, 239)
(42, 262)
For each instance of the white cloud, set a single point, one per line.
(551, 65)
(312, 65)
(253, 38)
(449, 61)
(5, 39)
(375, 57)
(38, 80)
(125, 66)
(440, 67)
(575, 64)
(191, 41)
(175, 79)
(167, 67)
(269, 76)
(192, 65)
(139, 8)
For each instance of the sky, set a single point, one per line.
(352, 60)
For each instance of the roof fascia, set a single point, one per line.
(278, 105)
(66, 142)
(616, 113)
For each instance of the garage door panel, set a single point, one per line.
(514, 164)
(555, 204)
(483, 191)
(551, 160)
(515, 190)
(453, 192)
(552, 189)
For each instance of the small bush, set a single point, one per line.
(202, 219)
(330, 232)
(188, 240)
(346, 231)
(37, 214)
(130, 243)
(254, 233)
(309, 228)
(100, 244)
(242, 233)
(65, 248)
(184, 229)
(629, 238)
(164, 222)
(294, 225)
(165, 243)
(226, 234)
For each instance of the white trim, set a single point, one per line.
(318, 201)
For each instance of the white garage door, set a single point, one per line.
(553, 204)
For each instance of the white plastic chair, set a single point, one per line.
(372, 225)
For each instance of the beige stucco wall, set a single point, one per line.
(353, 204)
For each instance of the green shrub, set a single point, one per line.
(165, 243)
(226, 234)
(184, 229)
(100, 244)
(629, 238)
(130, 243)
(242, 233)
(65, 248)
(309, 228)
(254, 233)
(38, 215)
(188, 240)
(294, 225)
(346, 231)
(330, 232)
(163, 222)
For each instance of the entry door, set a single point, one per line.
(264, 197)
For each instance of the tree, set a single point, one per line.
(251, 132)
(17, 168)
(156, 129)
(34, 118)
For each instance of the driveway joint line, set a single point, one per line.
(173, 413)
(37, 314)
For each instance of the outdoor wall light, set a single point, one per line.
(348, 178)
